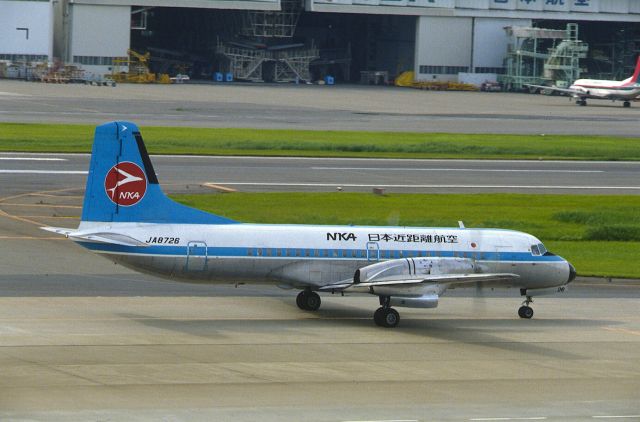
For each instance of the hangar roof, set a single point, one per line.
(600, 10)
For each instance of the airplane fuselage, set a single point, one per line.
(302, 256)
(603, 89)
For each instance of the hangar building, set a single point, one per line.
(276, 39)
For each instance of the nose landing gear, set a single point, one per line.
(525, 310)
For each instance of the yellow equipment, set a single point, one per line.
(138, 68)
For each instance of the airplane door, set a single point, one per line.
(196, 256)
(373, 251)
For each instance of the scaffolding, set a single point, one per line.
(273, 24)
(279, 64)
(543, 56)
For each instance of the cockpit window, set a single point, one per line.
(534, 250)
(542, 249)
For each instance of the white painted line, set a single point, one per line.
(617, 417)
(385, 420)
(458, 170)
(13, 94)
(32, 159)
(536, 418)
(43, 171)
(355, 185)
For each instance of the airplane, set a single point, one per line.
(139, 227)
(600, 89)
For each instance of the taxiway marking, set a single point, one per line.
(458, 170)
(6, 171)
(376, 185)
(623, 330)
(32, 159)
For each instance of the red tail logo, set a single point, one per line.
(125, 184)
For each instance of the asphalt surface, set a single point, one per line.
(349, 107)
(84, 339)
(326, 174)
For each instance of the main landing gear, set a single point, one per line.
(581, 102)
(525, 310)
(626, 104)
(385, 315)
(308, 300)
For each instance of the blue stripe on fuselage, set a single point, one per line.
(243, 252)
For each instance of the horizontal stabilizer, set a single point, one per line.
(557, 89)
(98, 237)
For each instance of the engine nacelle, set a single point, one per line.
(410, 268)
(425, 301)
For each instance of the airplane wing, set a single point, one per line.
(432, 278)
(98, 237)
(569, 91)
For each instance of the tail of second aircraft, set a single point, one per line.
(636, 75)
(122, 185)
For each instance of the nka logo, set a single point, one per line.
(125, 184)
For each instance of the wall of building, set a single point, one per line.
(99, 34)
(480, 46)
(435, 59)
(490, 43)
(26, 29)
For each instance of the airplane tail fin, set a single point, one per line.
(636, 74)
(122, 185)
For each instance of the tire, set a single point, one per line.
(525, 312)
(378, 315)
(300, 300)
(391, 318)
(312, 301)
(626, 104)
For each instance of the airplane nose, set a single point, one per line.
(572, 273)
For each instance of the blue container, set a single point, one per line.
(329, 80)
(228, 77)
(217, 77)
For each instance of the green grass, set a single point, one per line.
(599, 235)
(210, 141)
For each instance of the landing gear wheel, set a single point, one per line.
(308, 300)
(525, 312)
(626, 104)
(378, 316)
(581, 102)
(313, 301)
(390, 318)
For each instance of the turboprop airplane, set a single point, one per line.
(601, 89)
(127, 218)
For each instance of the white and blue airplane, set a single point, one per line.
(128, 219)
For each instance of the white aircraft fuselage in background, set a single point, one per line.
(128, 219)
(600, 89)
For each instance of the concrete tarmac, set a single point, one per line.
(356, 175)
(350, 107)
(84, 339)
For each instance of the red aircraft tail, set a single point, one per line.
(636, 74)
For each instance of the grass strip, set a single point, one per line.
(30, 137)
(608, 253)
